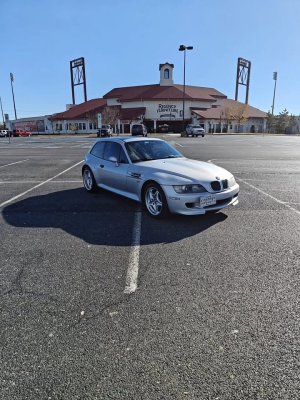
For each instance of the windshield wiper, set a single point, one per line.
(143, 159)
(171, 156)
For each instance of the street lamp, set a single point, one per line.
(184, 48)
(275, 79)
(12, 90)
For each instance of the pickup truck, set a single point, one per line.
(106, 130)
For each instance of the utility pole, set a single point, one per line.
(12, 90)
(2, 113)
(184, 48)
(275, 79)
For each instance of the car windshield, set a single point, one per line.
(147, 150)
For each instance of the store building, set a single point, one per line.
(160, 107)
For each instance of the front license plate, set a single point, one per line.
(208, 201)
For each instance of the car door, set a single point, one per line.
(114, 174)
(96, 161)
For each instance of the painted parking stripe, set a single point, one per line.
(271, 197)
(134, 258)
(17, 162)
(40, 184)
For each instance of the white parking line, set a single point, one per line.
(40, 184)
(20, 182)
(271, 197)
(133, 268)
(178, 144)
(17, 162)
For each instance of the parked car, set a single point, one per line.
(20, 132)
(138, 129)
(195, 130)
(154, 173)
(4, 133)
(106, 130)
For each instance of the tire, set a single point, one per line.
(202, 135)
(193, 135)
(154, 193)
(145, 135)
(89, 182)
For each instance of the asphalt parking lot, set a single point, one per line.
(216, 310)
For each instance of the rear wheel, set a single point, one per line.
(89, 182)
(155, 201)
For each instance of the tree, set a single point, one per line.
(110, 115)
(73, 127)
(92, 117)
(270, 121)
(228, 116)
(292, 122)
(282, 121)
(240, 115)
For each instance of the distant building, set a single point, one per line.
(160, 108)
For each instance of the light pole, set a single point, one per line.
(184, 48)
(12, 90)
(275, 79)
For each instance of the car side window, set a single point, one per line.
(98, 149)
(112, 149)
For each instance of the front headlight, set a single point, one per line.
(232, 182)
(189, 189)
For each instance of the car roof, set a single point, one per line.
(130, 139)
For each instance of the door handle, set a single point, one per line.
(101, 166)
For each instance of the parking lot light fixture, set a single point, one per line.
(184, 48)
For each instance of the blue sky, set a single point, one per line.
(124, 41)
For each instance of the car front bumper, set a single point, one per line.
(189, 204)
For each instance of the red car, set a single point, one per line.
(20, 132)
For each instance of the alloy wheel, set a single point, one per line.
(154, 201)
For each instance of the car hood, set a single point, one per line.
(190, 170)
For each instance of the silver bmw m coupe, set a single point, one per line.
(154, 173)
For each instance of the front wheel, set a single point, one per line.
(89, 182)
(202, 135)
(155, 201)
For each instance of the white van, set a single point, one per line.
(3, 133)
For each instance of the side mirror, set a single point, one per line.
(114, 159)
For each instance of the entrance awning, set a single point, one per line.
(132, 113)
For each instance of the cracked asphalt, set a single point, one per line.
(216, 315)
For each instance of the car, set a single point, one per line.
(4, 133)
(20, 132)
(138, 129)
(106, 130)
(194, 130)
(154, 173)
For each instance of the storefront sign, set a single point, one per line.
(167, 111)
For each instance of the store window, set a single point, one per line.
(80, 126)
(95, 125)
(83, 126)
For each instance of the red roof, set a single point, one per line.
(79, 111)
(132, 113)
(157, 92)
(214, 113)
